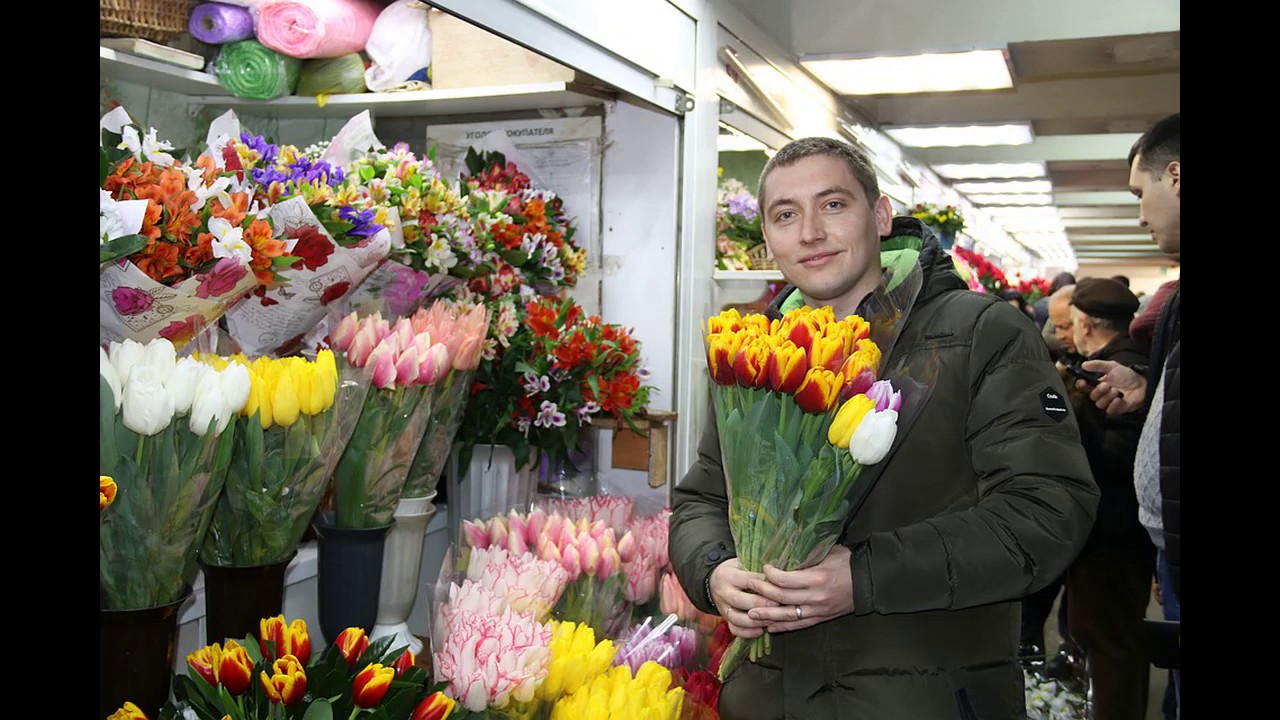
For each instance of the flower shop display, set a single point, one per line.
(164, 440)
(800, 412)
(989, 274)
(945, 222)
(621, 695)
(1034, 289)
(289, 436)
(273, 676)
(737, 225)
(177, 248)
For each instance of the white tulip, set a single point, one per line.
(235, 386)
(182, 383)
(160, 355)
(108, 371)
(148, 409)
(209, 405)
(873, 437)
(124, 356)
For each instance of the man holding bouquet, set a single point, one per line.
(984, 495)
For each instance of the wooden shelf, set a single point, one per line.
(433, 103)
(747, 275)
(144, 71)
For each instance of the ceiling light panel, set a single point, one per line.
(904, 74)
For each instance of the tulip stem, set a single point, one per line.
(138, 459)
(354, 712)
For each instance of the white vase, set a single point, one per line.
(489, 485)
(401, 567)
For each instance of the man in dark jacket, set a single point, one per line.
(1109, 584)
(1155, 176)
(985, 494)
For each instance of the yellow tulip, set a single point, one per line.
(727, 321)
(848, 418)
(327, 372)
(254, 403)
(827, 352)
(284, 401)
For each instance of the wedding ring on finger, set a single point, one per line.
(799, 615)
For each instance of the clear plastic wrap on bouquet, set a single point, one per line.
(429, 461)
(279, 474)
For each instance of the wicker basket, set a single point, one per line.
(759, 257)
(155, 20)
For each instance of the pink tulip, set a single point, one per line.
(345, 333)
(598, 530)
(407, 368)
(477, 535)
(403, 332)
(571, 561)
(610, 563)
(435, 365)
(536, 522)
(516, 544)
(498, 532)
(384, 367)
(381, 327)
(550, 552)
(628, 547)
(361, 348)
(517, 525)
(422, 342)
(589, 552)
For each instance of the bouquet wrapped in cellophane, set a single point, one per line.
(288, 439)
(799, 414)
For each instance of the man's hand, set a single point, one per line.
(822, 592)
(730, 589)
(1121, 390)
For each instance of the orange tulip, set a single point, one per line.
(437, 706)
(288, 684)
(757, 323)
(751, 368)
(106, 492)
(205, 662)
(371, 685)
(292, 639)
(860, 328)
(235, 669)
(787, 367)
(818, 392)
(722, 350)
(865, 358)
(352, 643)
(827, 352)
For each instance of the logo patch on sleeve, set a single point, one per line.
(1053, 404)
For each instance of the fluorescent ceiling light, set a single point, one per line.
(1006, 186)
(739, 143)
(1129, 221)
(962, 135)
(981, 171)
(937, 72)
(1024, 199)
(1019, 225)
(1000, 213)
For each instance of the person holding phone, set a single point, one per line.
(1109, 584)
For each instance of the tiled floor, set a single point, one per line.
(1158, 677)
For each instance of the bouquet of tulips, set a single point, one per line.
(274, 677)
(643, 549)
(288, 439)
(667, 644)
(405, 367)
(165, 441)
(461, 328)
(620, 695)
(799, 414)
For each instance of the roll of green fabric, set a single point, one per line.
(250, 70)
(344, 74)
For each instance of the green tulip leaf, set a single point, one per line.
(319, 710)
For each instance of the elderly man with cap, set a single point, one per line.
(1109, 584)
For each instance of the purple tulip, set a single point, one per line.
(885, 397)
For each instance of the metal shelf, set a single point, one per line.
(144, 71)
(747, 275)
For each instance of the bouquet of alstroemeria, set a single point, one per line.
(461, 328)
(178, 241)
(405, 366)
(799, 413)
(737, 225)
(289, 436)
(619, 695)
(164, 439)
(269, 678)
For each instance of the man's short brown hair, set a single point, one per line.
(796, 150)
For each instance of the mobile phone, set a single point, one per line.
(1093, 378)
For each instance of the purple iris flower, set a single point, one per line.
(266, 150)
(363, 221)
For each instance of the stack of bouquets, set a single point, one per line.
(288, 439)
(404, 367)
(165, 438)
(588, 552)
(330, 223)
(737, 225)
(559, 370)
(461, 328)
(179, 243)
(274, 676)
(799, 413)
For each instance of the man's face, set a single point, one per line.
(821, 228)
(1159, 204)
(1063, 328)
(1081, 326)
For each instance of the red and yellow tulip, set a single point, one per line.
(352, 643)
(437, 706)
(751, 367)
(292, 639)
(287, 684)
(827, 352)
(205, 663)
(787, 368)
(371, 685)
(404, 662)
(818, 393)
(106, 492)
(722, 350)
(235, 669)
(128, 711)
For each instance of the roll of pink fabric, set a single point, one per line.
(312, 29)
